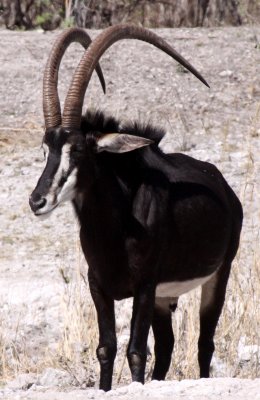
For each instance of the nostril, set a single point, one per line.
(36, 202)
(41, 203)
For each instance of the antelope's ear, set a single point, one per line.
(121, 143)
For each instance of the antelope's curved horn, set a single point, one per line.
(74, 101)
(51, 102)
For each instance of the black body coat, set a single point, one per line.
(147, 218)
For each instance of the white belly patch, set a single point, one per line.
(177, 288)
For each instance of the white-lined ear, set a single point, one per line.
(121, 142)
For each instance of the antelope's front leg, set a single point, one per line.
(107, 347)
(140, 325)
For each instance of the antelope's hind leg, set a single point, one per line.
(212, 301)
(163, 337)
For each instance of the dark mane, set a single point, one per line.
(98, 122)
(148, 131)
(95, 121)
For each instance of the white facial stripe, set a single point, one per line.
(56, 193)
(177, 288)
(46, 151)
(68, 189)
(63, 168)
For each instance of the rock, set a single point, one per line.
(225, 73)
(247, 353)
(52, 377)
(23, 381)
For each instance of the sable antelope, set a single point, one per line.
(152, 225)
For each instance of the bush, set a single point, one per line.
(29, 14)
(47, 14)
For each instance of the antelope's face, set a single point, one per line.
(63, 153)
(71, 159)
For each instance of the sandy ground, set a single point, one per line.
(220, 125)
(203, 389)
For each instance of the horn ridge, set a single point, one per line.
(75, 97)
(51, 102)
